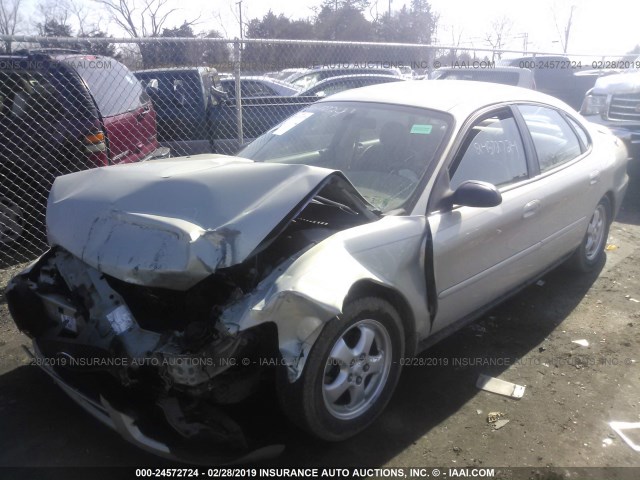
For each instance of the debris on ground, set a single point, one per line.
(501, 387)
(499, 424)
(611, 247)
(618, 427)
(582, 342)
(493, 417)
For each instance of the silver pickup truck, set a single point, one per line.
(614, 101)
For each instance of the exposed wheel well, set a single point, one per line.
(612, 205)
(367, 288)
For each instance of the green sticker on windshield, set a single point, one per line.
(422, 129)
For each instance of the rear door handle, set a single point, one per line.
(531, 208)
(594, 177)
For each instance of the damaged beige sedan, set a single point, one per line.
(355, 234)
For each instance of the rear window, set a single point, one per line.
(506, 78)
(178, 86)
(115, 89)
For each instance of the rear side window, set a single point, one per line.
(115, 89)
(554, 139)
(26, 96)
(492, 152)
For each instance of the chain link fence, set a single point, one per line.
(68, 104)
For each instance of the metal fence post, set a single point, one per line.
(237, 51)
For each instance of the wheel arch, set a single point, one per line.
(367, 288)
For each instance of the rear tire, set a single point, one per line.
(350, 374)
(591, 251)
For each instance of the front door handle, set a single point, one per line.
(531, 208)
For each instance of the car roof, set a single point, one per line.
(499, 68)
(178, 70)
(53, 54)
(458, 97)
(259, 78)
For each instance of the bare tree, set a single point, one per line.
(499, 34)
(143, 18)
(9, 19)
(54, 18)
(86, 19)
(564, 32)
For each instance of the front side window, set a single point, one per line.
(491, 152)
(383, 150)
(554, 139)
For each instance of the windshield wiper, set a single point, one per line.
(332, 203)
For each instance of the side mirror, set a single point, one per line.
(152, 87)
(179, 96)
(219, 95)
(474, 193)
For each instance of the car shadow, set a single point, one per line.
(630, 210)
(427, 395)
(43, 427)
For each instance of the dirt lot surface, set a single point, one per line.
(437, 416)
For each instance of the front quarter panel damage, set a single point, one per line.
(301, 296)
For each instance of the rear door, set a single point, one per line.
(567, 180)
(128, 116)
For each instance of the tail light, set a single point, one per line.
(96, 148)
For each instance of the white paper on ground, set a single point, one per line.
(501, 387)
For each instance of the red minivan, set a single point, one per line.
(128, 117)
(59, 113)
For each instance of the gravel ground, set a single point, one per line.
(437, 416)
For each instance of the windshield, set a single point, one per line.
(384, 150)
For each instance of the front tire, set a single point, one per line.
(591, 250)
(350, 374)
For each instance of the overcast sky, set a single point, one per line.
(599, 27)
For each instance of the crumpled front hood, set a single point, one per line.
(171, 223)
(618, 84)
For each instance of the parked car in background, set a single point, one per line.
(286, 73)
(558, 75)
(196, 116)
(332, 85)
(307, 79)
(358, 232)
(62, 112)
(185, 99)
(257, 86)
(515, 76)
(260, 114)
(614, 101)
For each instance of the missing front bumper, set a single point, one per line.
(127, 425)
